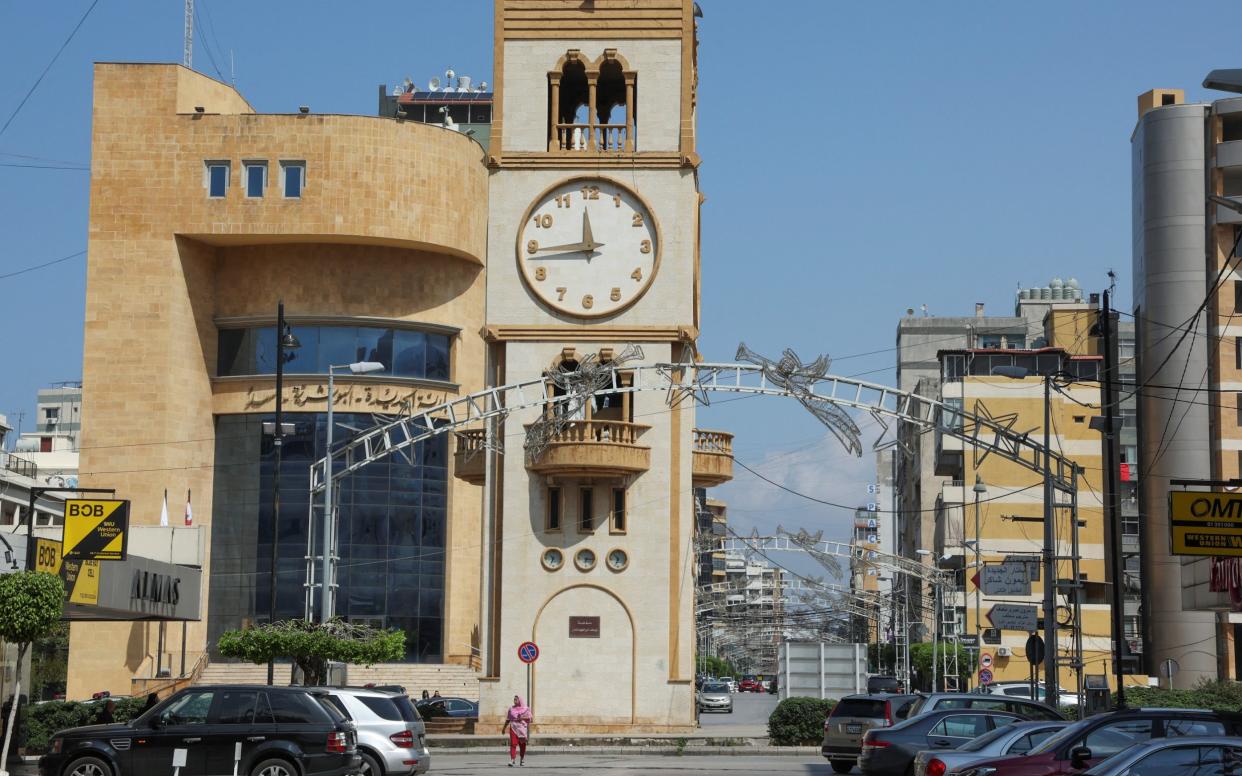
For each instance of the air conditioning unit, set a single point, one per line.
(1003, 652)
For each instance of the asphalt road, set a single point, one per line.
(604, 764)
(749, 718)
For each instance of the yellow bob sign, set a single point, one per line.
(1205, 523)
(96, 529)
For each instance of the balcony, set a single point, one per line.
(595, 448)
(592, 138)
(713, 458)
(469, 458)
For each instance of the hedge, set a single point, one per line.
(1215, 695)
(799, 721)
(45, 719)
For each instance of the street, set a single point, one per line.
(748, 720)
(637, 763)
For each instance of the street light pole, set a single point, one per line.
(980, 489)
(284, 338)
(1052, 682)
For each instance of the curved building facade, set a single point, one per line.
(204, 216)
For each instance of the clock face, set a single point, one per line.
(588, 247)
(618, 560)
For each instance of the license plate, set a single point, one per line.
(853, 728)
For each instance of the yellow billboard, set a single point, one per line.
(1205, 522)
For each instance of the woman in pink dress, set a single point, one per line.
(517, 722)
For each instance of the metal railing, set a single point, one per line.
(21, 466)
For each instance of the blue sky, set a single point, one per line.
(859, 159)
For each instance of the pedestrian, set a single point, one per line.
(436, 694)
(518, 724)
(106, 715)
(153, 700)
(426, 695)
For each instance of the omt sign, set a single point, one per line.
(1206, 523)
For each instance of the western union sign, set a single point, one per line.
(1206, 523)
(95, 529)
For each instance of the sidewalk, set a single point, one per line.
(717, 740)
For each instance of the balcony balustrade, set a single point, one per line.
(594, 448)
(713, 458)
(469, 457)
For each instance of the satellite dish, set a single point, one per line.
(433, 84)
(482, 86)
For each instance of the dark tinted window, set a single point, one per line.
(1029, 741)
(859, 707)
(1111, 738)
(337, 704)
(961, 726)
(235, 707)
(1193, 727)
(1174, 760)
(329, 708)
(293, 708)
(407, 710)
(384, 708)
(999, 704)
(1031, 710)
(188, 709)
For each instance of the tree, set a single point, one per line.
(312, 645)
(921, 660)
(33, 605)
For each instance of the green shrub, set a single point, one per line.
(42, 720)
(799, 721)
(1215, 695)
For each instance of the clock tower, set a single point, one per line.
(593, 247)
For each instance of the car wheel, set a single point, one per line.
(370, 766)
(88, 766)
(274, 767)
(840, 767)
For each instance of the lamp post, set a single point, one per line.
(1051, 679)
(980, 489)
(284, 341)
(327, 575)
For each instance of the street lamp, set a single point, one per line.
(328, 579)
(1051, 679)
(284, 341)
(980, 489)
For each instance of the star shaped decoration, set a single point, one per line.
(1001, 427)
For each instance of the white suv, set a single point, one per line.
(391, 735)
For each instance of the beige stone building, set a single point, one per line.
(573, 236)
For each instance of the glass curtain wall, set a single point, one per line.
(393, 516)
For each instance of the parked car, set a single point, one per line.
(283, 731)
(888, 751)
(1018, 738)
(938, 701)
(729, 680)
(749, 685)
(715, 696)
(1089, 742)
(1023, 690)
(448, 707)
(391, 736)
(850, 719)
(1199, 755)
(877, 684)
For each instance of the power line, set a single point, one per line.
(41, 266)
(43, 166)
(39, 80)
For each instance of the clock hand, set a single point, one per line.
(578, 246)
(587, 237)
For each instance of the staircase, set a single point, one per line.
(450, 680)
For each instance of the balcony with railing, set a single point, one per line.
(713, 458)
(470, 456)
(593, 138)
(594, 448)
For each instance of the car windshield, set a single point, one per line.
(716, 687)
(977, 744)
(1061, 736)
(859, 707)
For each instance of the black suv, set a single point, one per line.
(282, 731)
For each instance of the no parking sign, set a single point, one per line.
(528, 652)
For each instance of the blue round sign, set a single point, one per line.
(985, 676)
(528, 652)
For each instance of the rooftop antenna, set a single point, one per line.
(449, 75)
(187, 57)
(1112, 282)
(232, 71)
(924, 308)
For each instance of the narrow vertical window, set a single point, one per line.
(1238, 401)
(216, 176)
(294, 175)
(586, 510)
(1237, 296)
(1237, 352)
(553, 522)
(618, 511)
(256, 179)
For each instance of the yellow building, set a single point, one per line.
(991, 510)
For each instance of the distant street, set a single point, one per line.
(748, 720)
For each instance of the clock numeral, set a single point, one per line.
(541, 273)
(616, 200)
(638, 219)
(532, 246)
(637, 274)
(644, 246)
(562, 200)
(590, 192)
(588, 301)
(543, 221)
(615, 295)
(560, 293)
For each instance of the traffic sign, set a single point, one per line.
(985, 676)
(1013, 617)
(528, 652)
(95, 529)
(1034, 649)
(985, 660)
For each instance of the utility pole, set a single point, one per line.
(1112, 512)
(1052, 688)
(187, 57)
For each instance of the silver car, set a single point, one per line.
(715, 696)
(391, 735)
(1009, 740)
(1174, 755)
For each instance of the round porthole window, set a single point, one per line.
(585, 560)
(618, 560)
(553, 559)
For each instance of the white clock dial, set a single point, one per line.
(588, 247)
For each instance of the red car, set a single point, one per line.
(1088, 742)
(750, 685)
